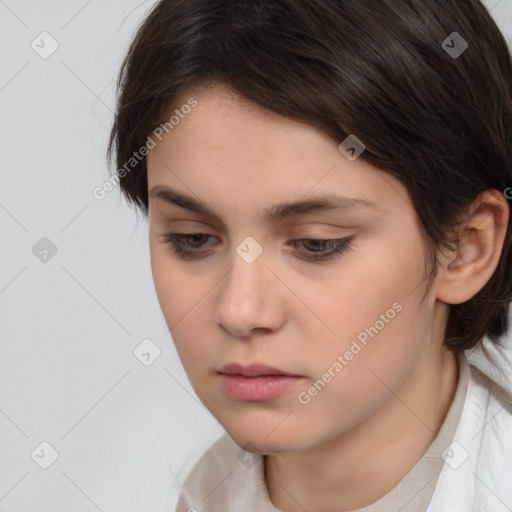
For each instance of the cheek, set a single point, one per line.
(374, 310)
(179, 294)
(376, 290)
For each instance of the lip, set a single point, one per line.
(257, 382)
(253, 370)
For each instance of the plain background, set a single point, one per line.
(71, 320)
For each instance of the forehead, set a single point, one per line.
(229, 147)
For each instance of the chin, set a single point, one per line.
(256, 440)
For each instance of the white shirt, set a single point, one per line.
(468, 466)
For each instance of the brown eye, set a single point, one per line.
(190, 251)
(318, 248)
(187, 246)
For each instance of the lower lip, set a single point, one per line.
(257, 389)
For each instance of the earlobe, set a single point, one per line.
(481, 239)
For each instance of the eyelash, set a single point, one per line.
(341, 245)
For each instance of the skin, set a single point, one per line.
(356, 439)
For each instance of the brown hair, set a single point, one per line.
(387, 71)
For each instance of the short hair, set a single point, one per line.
(425, 85)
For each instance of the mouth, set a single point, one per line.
(254, 370)
(257, 382)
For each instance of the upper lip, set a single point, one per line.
(253, 370)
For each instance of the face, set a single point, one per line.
(331, 295)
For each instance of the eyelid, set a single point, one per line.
(341, 245)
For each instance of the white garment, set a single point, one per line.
(476, 475)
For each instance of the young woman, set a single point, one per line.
(327, 185)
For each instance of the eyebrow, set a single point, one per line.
(327, 202)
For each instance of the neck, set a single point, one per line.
(361, 465)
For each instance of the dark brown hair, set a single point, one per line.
(387, 71)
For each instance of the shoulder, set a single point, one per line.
(491, 386)
(478, 462)
(493, 491)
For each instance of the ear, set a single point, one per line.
(470, 266)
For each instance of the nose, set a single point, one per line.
(249, 298)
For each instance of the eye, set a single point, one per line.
(175, 241)
(320, 248)
(324, 248)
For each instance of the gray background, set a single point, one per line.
(71, 321)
